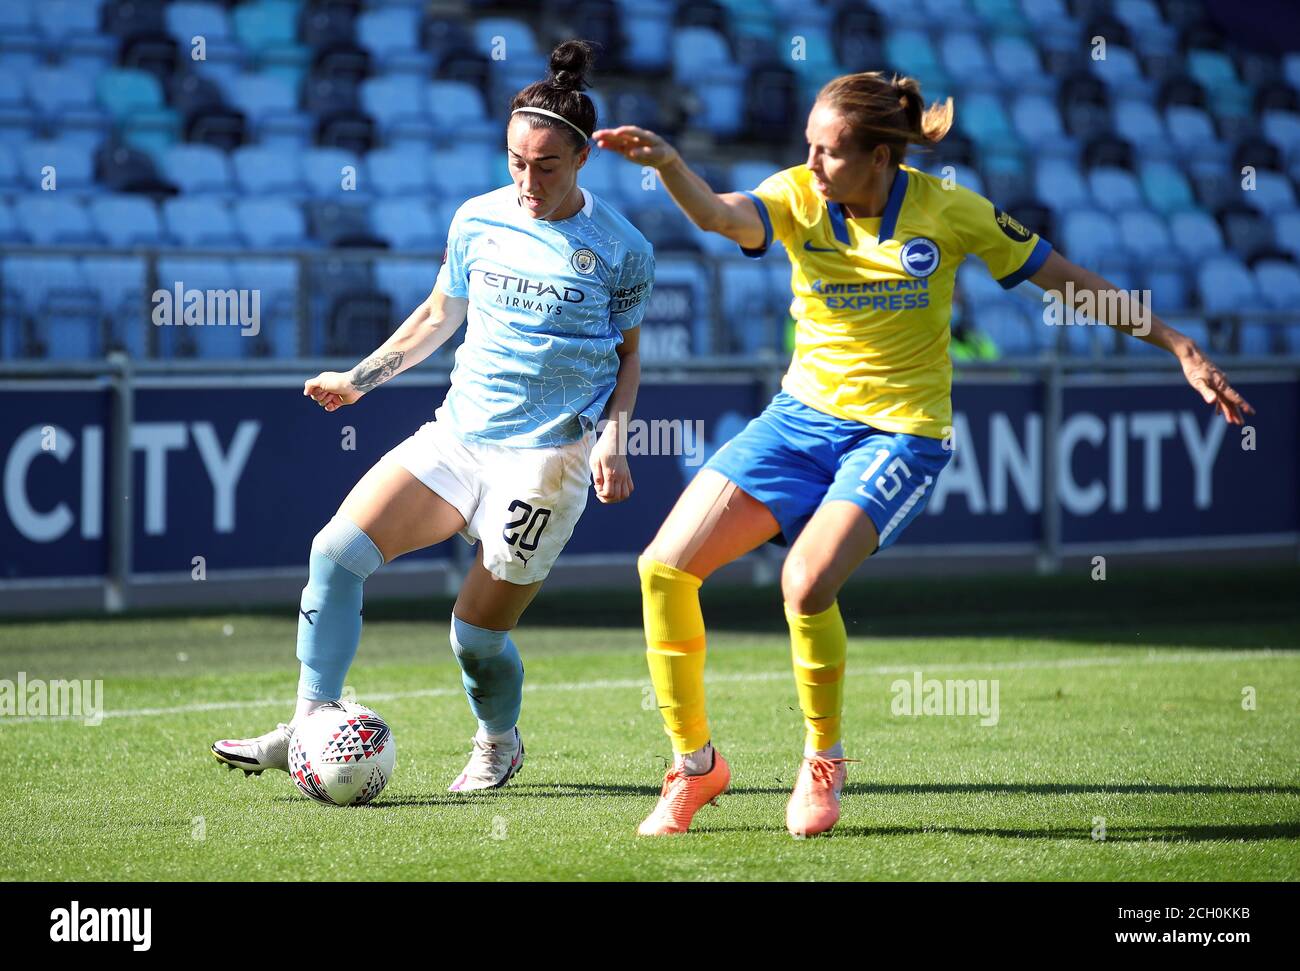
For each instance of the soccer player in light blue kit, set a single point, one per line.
(554, 284)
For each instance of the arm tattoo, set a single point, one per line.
(374, 371)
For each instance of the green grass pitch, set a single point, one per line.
(1119, 701)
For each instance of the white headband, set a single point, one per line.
(552, 114)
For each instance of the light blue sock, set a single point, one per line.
(329, 616)
(492, 672)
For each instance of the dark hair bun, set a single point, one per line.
(570, 62)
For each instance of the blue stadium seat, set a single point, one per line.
(187, 20)
(1195, 139)
(1017, 65)
(1224, 285)
(647, 34)
(681, 299)
(198, 169)
(127, 221)
(1121, 72)
(1214, 71)
(702, 60)
(51, 219)
(1170, 288)
(967, 61)
(397, 102)
(271, 224)
(408, 282)
(17, 118)
(502, 38)
(72, 28)
(119, 284)
(1144, 233)
(73, 167)
(212, 341)
(20, 39)
(276, 281)
(408, 225)
(985, 121)
(10, 231)
(600, 176)
(64, 97)
(1038, 122)
(1283, 129)
(976, 285)
(59, 310)
(1279, 284)
(263, 170)
(1166, 188)
(642, 190)
(952, 14)
(1272, 193)
(1196, 234)
(1286, 231)
(1140, 124)
(910, 51)
(1114, 189)
(201, 221)
(1088, 236)
(391, 35)
(323, 173)
(458, 114)
(271, 106)
(268, 30)
(1059, 185)
(134, 99)
(399, 171)
(1007, 321)
(746, 176)
(748, 321)
(463, 171)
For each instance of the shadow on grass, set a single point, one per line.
(1246, 832)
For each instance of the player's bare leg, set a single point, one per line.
(833, 544)
(388, 512)
(712, 524)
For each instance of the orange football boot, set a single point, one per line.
(684, 795)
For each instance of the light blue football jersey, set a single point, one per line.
(548, 302)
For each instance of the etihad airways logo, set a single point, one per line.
(519, 291)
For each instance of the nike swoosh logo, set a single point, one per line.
(807, 244)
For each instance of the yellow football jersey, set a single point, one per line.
(873, 297)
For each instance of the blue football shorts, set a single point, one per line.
(792, 458)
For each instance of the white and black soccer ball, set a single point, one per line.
(342, 754)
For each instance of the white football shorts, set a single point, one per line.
(520, 503)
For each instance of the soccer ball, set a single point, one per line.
(342, 754)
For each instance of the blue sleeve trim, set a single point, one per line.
(767, 227)
(893, 206)
(1037, 257)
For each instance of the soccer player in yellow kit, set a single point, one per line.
(846, 455)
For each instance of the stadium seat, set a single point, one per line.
(407, 225)
(326, 169)
(60, 313)
(201, 221)
(399, 171)
(463, 171)
(1088, 236)
(262, 170)
(1017, 66)
(910, 51)
(1165, 188)
(52, 219)
(1196, 235)
(211, 341)
(1279, 284)
(1286, 232)
(408, 282)
(271, 224)
(647, 34)
(71, 166)
(271, 107)
(1283, 129)
(64, 97)
(984, 120)
(1058, 184)
(966, 61)
(1195, 139)
(1224, 285)
(127, 221)
(398, 102)
(458, 114)
(276, 281)
(391, 36)
(1170, 288)
(1272, 193)
(1038, 124)
(189, 20)
(119, 284)
(1144, 234)
(1114, 189)
(681, 299)
(1139, 123)
(198, 169)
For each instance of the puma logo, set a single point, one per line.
(524, 558)
(307, 614)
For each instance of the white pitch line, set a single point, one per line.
(754, 676)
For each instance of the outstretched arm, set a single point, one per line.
(422, 333)
(1132, 316)
(729, 214)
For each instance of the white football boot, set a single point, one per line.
(490, 766)
(256, 755)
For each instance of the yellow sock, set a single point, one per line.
(674, 634)
(819, 644)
